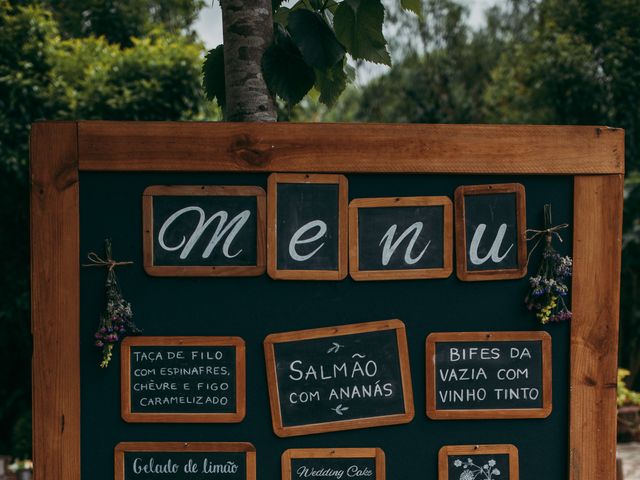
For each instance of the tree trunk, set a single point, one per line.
(247, 28)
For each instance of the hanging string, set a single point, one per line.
(547, 233)
(97, 261)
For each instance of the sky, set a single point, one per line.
(209, 27)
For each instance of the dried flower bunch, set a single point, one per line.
(549, 287)
(117, 320)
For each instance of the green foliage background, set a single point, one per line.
(533, 61)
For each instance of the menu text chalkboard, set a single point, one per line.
(478, 462)
(184, 461)
(491, 232)
(488, 375)
(333, 464)
(400, 238)
(183, 379)
(307, 226)
(191, 230)
(339, 378)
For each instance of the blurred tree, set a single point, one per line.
(44, 76)
(121, 20)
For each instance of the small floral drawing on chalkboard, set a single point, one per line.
(549, 287)
(471, 471)
(117, 319)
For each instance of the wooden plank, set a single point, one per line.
(329, 453)
(407, 273)
(330, 332)
(393, 148)
(204, 447)
(55, 301)
(469, 414)
(272, 228)
(462, 264)
(455, 450)
(597, 232)
(203, 270)
(127, 413)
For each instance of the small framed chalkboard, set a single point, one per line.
(339, 378)
(400, 238)
(307, 226)
(491, 222)
(478, 462)
(184, 460)
(333, 463)
(183, 379)
(480, 375)
(204, 231)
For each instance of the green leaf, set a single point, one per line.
(281, 16)
(315, 39)
(331, 83)
(414, 6)
(285, 71)
(358, 26)
(213, 75)
(275, 5)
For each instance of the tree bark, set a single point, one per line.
(247, 28)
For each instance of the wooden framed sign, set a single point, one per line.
(491, 221)
(400, 238)
(202, 230)
(339, 378)
(183, 379)
(478, 462)
(307, 227)
(184, 461)
(88, 181)
(489, 375)
(333, 463)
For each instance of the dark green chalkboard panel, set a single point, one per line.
(252, 308)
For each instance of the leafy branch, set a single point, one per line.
(313, 40)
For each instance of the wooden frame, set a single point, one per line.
(139, 417)
(272, 378)
(463, 272)
(203, 270)
(145, 447)
(292, 453)
(60, 150)
(407, 274)
(455, 450)
(435, 414)
(272, 231)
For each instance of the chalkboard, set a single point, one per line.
(307, 227)
(184, 461)
(339, 378)
(204, 230)
(183, 379)
(333, 464)
(489, 375)
(400, 238)
(478, 462)
(491, 232)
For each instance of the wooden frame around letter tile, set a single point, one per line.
(272, 378)
(401, 274)
(292, 453)
(140, 417)
(59, 151)
(461, 450)
(203, 270)
(463, 272)
(272, 229)
(146, 447)
(470, 414)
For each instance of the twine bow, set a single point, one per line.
(109, 262)
(547, 233)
